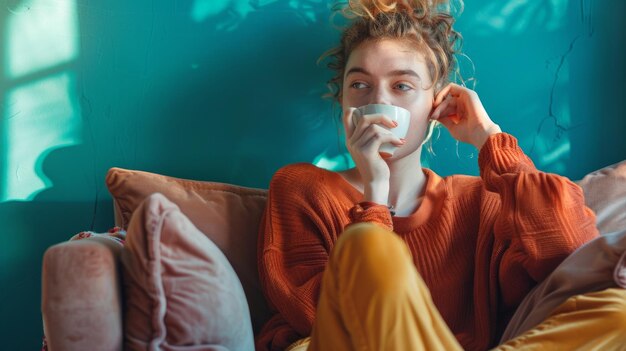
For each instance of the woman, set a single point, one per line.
(444, 270)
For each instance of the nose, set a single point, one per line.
(380, 96)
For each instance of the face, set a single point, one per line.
(390, 72)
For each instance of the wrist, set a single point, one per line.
(377, 192)
(487, 132)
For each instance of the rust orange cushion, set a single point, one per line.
(227, 214)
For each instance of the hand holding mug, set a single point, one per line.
(370, 137)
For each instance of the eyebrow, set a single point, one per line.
(398, 72)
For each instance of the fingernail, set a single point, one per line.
(395, 124)
(402, 140)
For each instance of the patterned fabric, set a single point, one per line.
(116, 234)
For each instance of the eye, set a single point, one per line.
(403, 87)
(358, 85)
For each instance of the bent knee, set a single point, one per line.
(370, 240)
(374, 256)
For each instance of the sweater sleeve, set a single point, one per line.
(543, 217)
(371, 212)
(295, 238)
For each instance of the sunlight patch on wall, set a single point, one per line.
(40, 111)
(43, 117)
(307, 9)
(518, 16)
(560, 151)
(551, 145)
(41, 34)
(336, 163)
(229, 12)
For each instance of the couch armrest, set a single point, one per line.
(81, 295)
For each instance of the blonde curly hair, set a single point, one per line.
(424, 24)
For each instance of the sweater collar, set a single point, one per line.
(434, 196)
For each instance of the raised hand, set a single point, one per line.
(459, 109)
(363, 141)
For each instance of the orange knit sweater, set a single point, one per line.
(480, 243)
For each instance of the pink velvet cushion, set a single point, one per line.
(227, 214)
(180, 290)
(81, 302)
(605, 193)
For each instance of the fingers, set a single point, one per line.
(442, 95)
(374, 137)
(449, 121)
(367, 120)
(445, 108)
(452, 89)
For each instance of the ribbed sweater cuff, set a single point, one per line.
(501, 154)
(378, 214)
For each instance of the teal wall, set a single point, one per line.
(230, 91)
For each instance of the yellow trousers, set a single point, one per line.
(373, 298)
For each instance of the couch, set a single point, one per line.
(84, 295)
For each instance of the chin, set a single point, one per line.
(400, 153)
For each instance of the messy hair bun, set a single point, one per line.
(371, 8)
(424, 24)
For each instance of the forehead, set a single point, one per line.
(379, 57)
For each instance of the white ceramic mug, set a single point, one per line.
(395, 113)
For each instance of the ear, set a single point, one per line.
(438, 86)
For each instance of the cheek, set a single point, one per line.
(419, 116)
(354, 99)
(347, 100)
